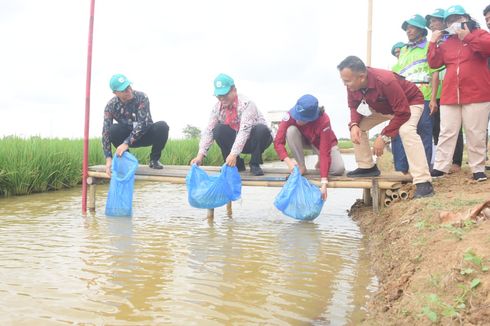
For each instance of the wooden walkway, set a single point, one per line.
(374, 187)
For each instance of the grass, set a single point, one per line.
(29, 165)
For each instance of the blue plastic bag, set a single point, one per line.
(205, 191)
(299, 198)
(120, 196)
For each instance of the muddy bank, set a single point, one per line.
(433, 268)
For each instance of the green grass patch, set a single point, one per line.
(29, 165)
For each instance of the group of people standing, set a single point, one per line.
(408, 97)
(452, 71)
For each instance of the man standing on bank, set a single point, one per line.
(376, 95)
(134, 127)
(237, 126)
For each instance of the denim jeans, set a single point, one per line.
(424, 129)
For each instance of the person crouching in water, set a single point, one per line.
(308, 126)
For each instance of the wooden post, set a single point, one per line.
(366, 196)
(210, 214)
(376, 196)
(229, 210)
(91, 198)
(91, 193)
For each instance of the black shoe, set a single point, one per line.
(479, 176)
(487, 167)
(256, 170)
(359, 173)
(424, 189)
(436, 173)
(240, 164)
(154, 164)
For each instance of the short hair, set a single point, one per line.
(486, 10)
(353, 63)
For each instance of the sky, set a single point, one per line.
(276, 51)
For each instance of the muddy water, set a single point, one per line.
(170, 265)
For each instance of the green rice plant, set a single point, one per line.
(35, 164)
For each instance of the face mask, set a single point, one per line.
(453, 29)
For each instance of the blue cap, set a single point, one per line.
(306, 109)
(455, 10)
(119, 83)
(222, 84)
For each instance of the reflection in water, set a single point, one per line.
(168, 265)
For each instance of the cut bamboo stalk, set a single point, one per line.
(387, 202)
(210, 215)
(403, 194)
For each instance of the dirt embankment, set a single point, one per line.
(433, 268)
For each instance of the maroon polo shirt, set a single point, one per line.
(386, 93)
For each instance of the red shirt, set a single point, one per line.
(319, 133)
(467, 78)
(386, 93)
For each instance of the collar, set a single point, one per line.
(420, 44)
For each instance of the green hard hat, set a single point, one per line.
(438, 13)
(416, 20)
(398, 45)
(454, 10)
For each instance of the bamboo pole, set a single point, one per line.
(366, 184)
(369, 32)
(87, 108)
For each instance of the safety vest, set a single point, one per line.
(412, 64)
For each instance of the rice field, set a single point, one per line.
(35, 164)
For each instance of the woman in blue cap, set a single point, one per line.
(307, 125)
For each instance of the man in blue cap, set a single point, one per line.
(307, 125)
(237, 126)
(134, 127)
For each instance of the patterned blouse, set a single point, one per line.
(248, 116)
(135, 114)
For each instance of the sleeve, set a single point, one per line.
(207, 134)
(142, 119)
(327, 140)
(401, 109)
(246, 123)
(355, 117)
(479, 41)
(280, 140)
(434, 56)
(108, 119)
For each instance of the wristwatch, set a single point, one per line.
(386, 139)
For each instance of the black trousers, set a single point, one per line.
(260, 138)
(156, 136)
(436, 128)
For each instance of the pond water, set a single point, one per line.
(169, 265)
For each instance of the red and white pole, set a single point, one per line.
(87, 109)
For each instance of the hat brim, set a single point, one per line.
(123, 86)
(298, 117)
(222, 91)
